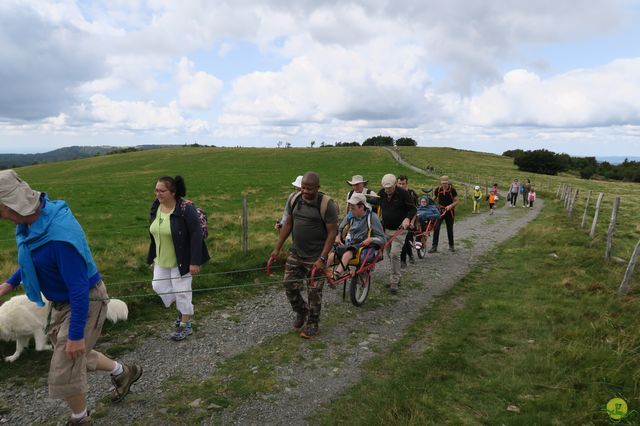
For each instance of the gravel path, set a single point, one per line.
(363, 333)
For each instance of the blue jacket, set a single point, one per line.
(186, 234)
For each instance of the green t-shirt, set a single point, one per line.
(161, 231)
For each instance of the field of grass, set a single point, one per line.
(478, 168)
(111, 196)
(526, 338)
(536, 334)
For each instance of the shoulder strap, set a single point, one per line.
(369, 224)
(324, 203)
(294, 200)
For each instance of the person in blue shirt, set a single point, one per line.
(55, 262)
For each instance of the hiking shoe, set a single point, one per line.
(309, 332)
(123, 381)
(393, 288)
(181, 333)
(301, 318)
(403, 264)
(451, 248)
(433, 250)
(86, 420)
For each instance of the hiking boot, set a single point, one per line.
(86, 420)
(310, 331)
(452, 248)
(301, 318)
(433, 249)
(403, 264)
(394, 288)
(123, 381)
(183, 330)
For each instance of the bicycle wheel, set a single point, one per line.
(360, 285)
(422, 251)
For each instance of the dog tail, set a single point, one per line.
(117, 310)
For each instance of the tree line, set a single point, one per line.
(550, 163)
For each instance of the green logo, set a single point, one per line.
(617, 409)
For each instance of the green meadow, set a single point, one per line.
(477, 168)
(535, 334)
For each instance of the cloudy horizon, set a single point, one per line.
(487, 76)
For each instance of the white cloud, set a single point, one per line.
(197, 89)
(602, 96)
(372, 83)
(138, 116)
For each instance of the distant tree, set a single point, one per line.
(279, 144)
(406, 142)
(542, 161)
(352, 143)
(378, 141)
(287, 145)
(513, 153)
(312, 143)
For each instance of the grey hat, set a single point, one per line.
(358, 198)
(17, 194)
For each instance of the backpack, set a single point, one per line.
(322, 209)
(202, 217)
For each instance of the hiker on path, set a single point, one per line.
(55, 260)
(398, 209)
(359, 186)
(313, 221)
(176, 250)
(514, 189)
(526, 188)
(447, 197)
(477, 198)
(407, 248)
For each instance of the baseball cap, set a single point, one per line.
(388, 180)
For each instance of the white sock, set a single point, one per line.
(79, 416)
(117, 369)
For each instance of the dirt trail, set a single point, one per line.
(328, 368)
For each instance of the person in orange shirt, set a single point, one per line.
(493, 197)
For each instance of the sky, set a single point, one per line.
(488, 75)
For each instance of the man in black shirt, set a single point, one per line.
(447, 197)
(397, 211)
(407, 249)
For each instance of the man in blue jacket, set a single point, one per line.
(55, 261)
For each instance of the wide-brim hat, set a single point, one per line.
(358, 198)
(298, 182)
(356, 179)
(17, 194)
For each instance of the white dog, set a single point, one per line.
(20, 319)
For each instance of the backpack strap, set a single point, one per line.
(322, 208)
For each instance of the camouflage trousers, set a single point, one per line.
(296, 272)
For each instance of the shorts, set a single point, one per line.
(69, 377)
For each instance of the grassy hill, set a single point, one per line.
(546, 335)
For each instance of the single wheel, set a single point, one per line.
(422, 251)
(360, 285)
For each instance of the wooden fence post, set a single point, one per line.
(612, 227)
(586, 208)
(572, 202)
(245, 225)
(624, 286)
(558, 191)
(567, 197)
(595, 215)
